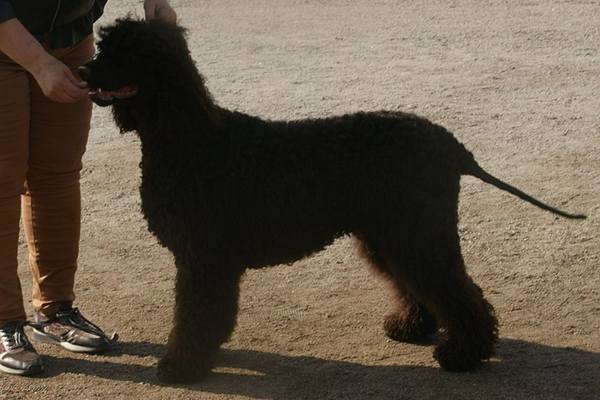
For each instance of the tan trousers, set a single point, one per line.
(41, 146)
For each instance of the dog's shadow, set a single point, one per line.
(521, 370)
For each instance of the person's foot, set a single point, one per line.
(71, 330)
(17, 355)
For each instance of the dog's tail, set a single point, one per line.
(471, 167)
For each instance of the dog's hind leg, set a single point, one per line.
(470, 325)
(410, 321)
(431, 266)
(206, 304)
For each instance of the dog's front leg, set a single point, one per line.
(206, 297)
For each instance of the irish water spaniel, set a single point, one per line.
(225, 191)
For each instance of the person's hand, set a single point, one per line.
(159, 9)
(57, 81)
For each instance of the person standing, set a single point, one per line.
(45, 117)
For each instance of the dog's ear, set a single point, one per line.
(124, 118)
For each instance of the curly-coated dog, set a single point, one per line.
(226, 191)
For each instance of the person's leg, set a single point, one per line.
(17, 355)
(14, 126)
(51, 209)
(51, 204)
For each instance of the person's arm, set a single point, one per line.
(55, 78)
(159, 9)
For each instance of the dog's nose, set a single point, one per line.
(84, 72)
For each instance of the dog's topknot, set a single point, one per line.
(132, 33)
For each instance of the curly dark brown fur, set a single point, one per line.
(225, 191)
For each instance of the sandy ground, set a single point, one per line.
(518, 82)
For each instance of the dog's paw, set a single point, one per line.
(177, 371)
(415, 329)
(455, 358)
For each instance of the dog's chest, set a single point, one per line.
(163, 194)
(175, 202)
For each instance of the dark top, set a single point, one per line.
(59, 23)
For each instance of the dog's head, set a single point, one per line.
(135, 60)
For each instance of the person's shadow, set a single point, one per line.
(521, 370)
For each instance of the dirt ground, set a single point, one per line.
(518, 82)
